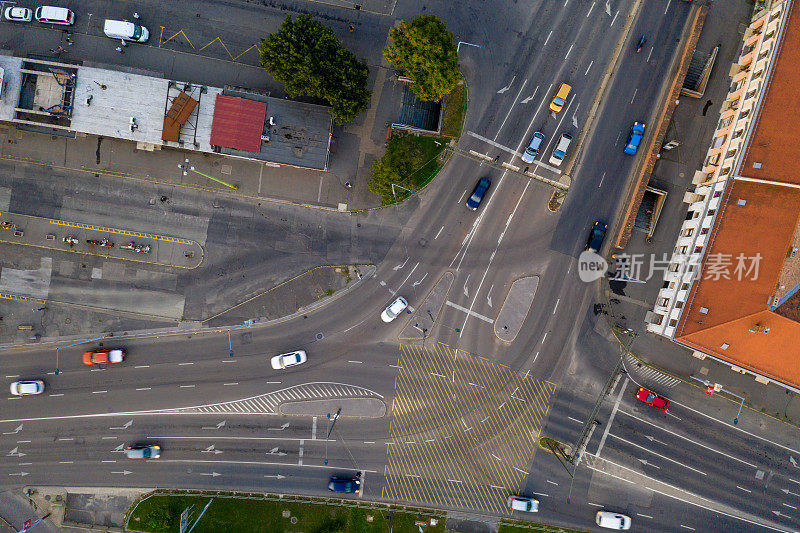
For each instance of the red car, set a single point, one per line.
(651, 398)
(102, 357)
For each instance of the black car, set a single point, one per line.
(348, 484)
(596, 237)
(477, 195)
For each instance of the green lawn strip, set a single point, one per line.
(530, 527)
(161, 513)
(455, 107)
(410, 162)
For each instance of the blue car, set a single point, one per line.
(477, 195)
(637, 131)
(347, 484)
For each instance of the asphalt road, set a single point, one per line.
(545, 380)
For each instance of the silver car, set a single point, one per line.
(24, 388)
(612, 520)
(533, 147)
(19, 14)
(394, 309)
(144, 451)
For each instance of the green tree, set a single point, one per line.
(310, 61)
(424, 49)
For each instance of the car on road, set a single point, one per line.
(475, 199)
(55, 15)
(285, 360)
(19, 14)
(25, 388)
(560, 98)
(634, 138)
(532, 150)
(596, 237)
(651, 398)
(394, 309)
(346, 484)
(521, 503)
(560, 151)
(143, 451)
(103, 357)
(612, 520)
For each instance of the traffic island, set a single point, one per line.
(161, 511)
(515, 308)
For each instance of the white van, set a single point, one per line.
(55, 15)
(560, 150)
(127, 31)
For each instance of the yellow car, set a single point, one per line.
(560, 98)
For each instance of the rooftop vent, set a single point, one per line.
(756, 165)
(704, 310)
(741, 201)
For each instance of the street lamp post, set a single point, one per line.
(73, 344)
(718, 388)
(468, 44)
(401, 187)
(247, 324)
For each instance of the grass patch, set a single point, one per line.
(161, 514)
(410, 161)
(455, 107)
(534, 528)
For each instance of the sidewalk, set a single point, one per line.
(626, 304)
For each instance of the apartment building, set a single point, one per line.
(732, 287)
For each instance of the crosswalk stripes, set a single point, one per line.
(648, 373)
(270, 402)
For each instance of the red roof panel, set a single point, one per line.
(238, 123)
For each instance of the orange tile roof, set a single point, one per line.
(774, 141)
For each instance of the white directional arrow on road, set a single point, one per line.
(608, 8)
(787, 491)
(653, 439)
(211, 449)
(17, 430)
(278, 476)
(15, 453)
(507, 87)
(284, 426)
(221, 424)
(212, 474)
(420, 281)
(778, 513)
(531, 97)
(398, 267)
(119, 448)
(488, 296)
(275, 451)
(126, 425)
(124, 472)
(20, 474)
(644, 462)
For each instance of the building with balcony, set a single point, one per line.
(732, 286)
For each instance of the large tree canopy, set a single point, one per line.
(310, 61)
(424, 49)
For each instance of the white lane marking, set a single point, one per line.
(187, 386)
(491, 142)
(404, 281)
(300, 460)
(548, 38)
(658, 454)
(744, 489)
(556, 306)
(688, 439)
(228, 360)
(108, 461)
(229, 384)
(488, 266)
(438, 375)
(99, 392)
(185, 364)
(590, 10)
(314, 428)
(461, 199)
(497, 487)
(142, 366)
(568, 51)
(575, 420)
(552, 482)
(56, 395)
(615, 18)
(649, 55)
(65, 462)
(493, 455)
(687, 527)
(611, 418)
(469, 312)
(109, 438)
(438, 232)
(356, 362)
(587, 68)
(789, 506)
(144, 388)
(634, 95)
(595, 504)
(455, 480)
(601, 184)
(644, 515)
(510, 108)
(13, 376)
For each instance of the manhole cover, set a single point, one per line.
(423, 242)
(320, 336)
(226, 169)
(293, 520)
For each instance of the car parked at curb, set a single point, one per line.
(634, 138)
(285, 360)
(18, 14)
(394, 309)
(103, 357)
(651, 398)
(27, 387)
(475, 199)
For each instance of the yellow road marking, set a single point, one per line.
(121, 232)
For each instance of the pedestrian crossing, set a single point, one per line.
(648, 373)
(267, 404)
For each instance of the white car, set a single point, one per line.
(285, 360)
(521, 503)
(612, 520)
(394, 309)
(19, 14)
(24, 388)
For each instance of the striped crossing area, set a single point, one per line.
(120, 232)
(648, 373)
(463, 430)
(269, 403)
